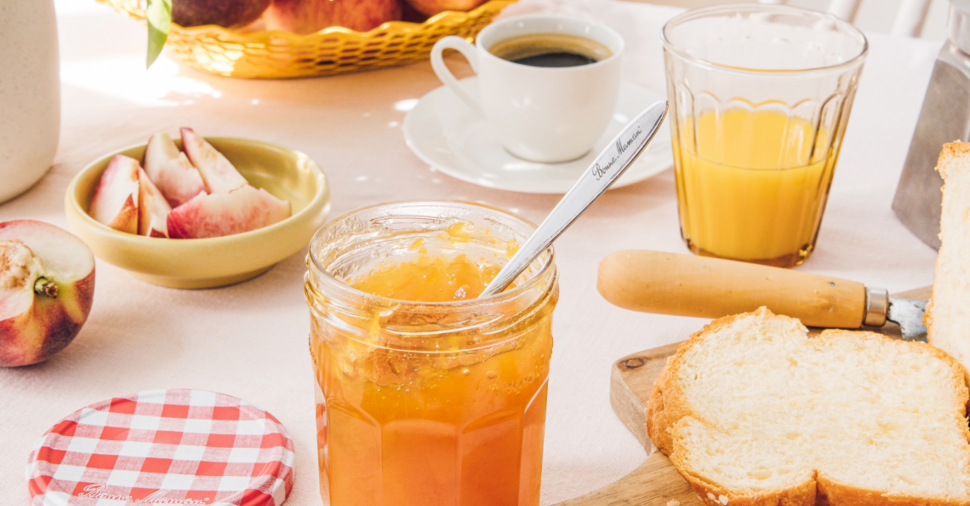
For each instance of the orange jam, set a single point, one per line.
(430, 280)
(458, 419)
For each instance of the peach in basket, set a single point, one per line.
(226, 245)
(274, 54)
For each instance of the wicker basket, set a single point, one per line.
(271, 54)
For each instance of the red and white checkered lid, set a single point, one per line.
(177, 446)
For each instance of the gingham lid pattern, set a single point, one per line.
(163, 447)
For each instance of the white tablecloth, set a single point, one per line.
(249, 340)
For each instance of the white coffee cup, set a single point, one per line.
(540, 114)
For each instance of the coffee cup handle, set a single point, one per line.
(438, 64)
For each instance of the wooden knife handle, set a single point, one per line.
(688, 285)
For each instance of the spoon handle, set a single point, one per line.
(608, 166)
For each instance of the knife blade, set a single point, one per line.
(908, 314)
(689, 285)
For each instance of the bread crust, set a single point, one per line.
(668, 407)
(950, 151)
(840, 494)
(713, 494)
(656, 415)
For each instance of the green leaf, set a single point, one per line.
(159, 16)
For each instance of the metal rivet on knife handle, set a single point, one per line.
(877, 307)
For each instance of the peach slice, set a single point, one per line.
(46, 290)
(220, 214)
(218, 172)
(171, 170)
(115, 201)
(154, 209)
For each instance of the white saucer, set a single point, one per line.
(446, 134)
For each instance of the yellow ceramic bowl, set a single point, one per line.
(217, 261)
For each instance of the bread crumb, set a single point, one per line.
(673, 502)
(711, 496)
(723, 499)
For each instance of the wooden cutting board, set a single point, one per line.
(656, 482)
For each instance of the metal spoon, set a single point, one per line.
(608, 166)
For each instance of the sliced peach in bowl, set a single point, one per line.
(284, 173)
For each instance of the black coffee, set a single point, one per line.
(550, 50)
(561, 59)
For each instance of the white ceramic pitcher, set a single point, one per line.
(30, 93)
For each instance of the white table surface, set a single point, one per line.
(249, 340)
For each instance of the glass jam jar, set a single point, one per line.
(428, 403)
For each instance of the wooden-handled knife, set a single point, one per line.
(688, 285)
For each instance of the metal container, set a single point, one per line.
(945, 117)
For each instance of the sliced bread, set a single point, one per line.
(752, 411)
(948, 314)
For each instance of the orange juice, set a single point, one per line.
(427, 395)
(752, 185)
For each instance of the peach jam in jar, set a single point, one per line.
(427, 395)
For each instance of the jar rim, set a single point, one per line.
(500, 297)
(693, 14)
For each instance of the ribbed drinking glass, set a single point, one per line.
(760, 98)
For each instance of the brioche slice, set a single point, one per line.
(752, 411)
(947, 316)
